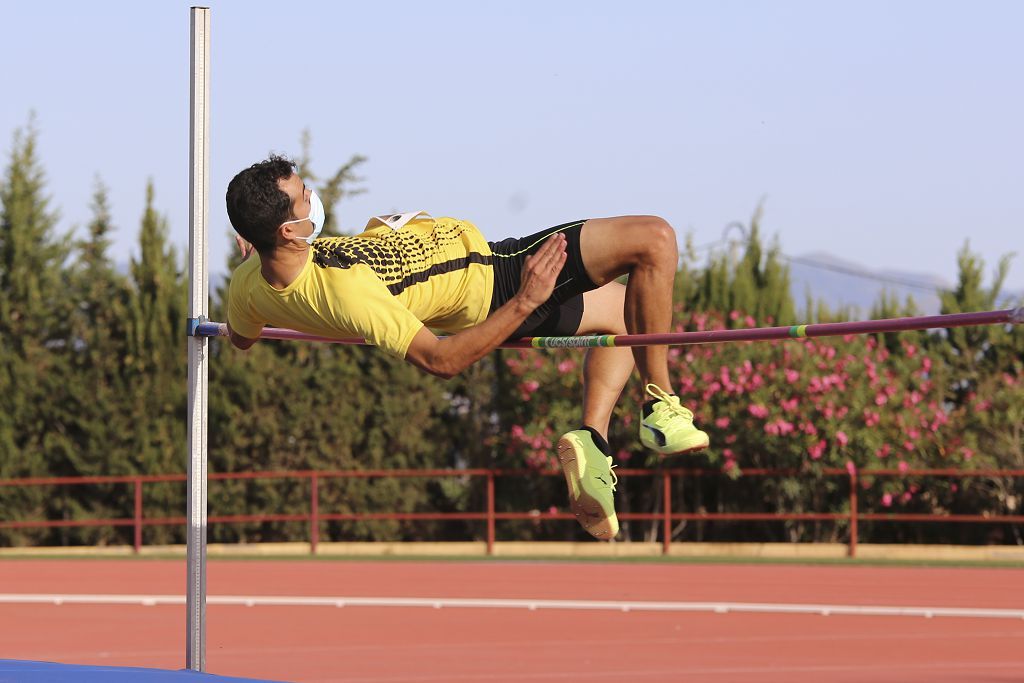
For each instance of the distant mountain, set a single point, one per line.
(844, 284)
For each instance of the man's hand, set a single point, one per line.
(540, 271)
(449, 356)
(243, 246)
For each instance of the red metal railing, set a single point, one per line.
(314, 517)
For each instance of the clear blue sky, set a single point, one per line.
(886, 133)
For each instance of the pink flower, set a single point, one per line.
(871, 418)
(884, 451)
(758, 410)
(908, 446)
(792, 375)
(907, 495)
(734, 315)
(722, 422)
(967, 453)
(903, 466)
(779, 427)
(881, 399)
(517, 432)
(887, 500)
(530, 386)
(850, 467)
(790, 404)
(841, 438)
(816, 450)
(566, 366)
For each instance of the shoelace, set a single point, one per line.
(611, 471)
(670, 402)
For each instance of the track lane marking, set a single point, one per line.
(519, 603)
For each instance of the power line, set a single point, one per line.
(862, 274)
(813, 263)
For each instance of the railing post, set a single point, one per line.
(854, 483)
(314, 513)
(490, 512)
(137, 545)
(666, 533)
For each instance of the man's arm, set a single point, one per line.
(449, 356)
(238, 341)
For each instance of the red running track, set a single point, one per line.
(400, 644)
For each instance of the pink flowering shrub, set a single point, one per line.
(798, 404)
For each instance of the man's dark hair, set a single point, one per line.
(256, 205)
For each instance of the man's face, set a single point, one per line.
(298, 193)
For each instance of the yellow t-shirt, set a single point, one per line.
(384, 284)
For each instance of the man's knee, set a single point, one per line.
(659, 240)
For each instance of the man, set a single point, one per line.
(411, 272)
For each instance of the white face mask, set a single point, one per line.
(316, 217)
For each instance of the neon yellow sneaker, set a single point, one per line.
(591, 481)
(669, 428)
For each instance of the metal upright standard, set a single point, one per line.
(198, 362)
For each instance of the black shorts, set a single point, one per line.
(561, 314)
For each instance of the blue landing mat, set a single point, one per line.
(14, 671)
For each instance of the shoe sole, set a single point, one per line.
(691, 449)
(588, 511)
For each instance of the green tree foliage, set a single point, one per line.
(746, 277)
(93, 394)
(33, 308)
(155, 364)
(93, 382)
(987, 392)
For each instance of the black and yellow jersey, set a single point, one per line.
(401, 273)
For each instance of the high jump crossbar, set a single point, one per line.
(927, 322)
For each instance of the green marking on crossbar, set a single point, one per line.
(798, 331)
(572, 342)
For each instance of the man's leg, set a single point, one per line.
(605, 370)
(645, 248)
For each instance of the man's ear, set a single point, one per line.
(286, 233)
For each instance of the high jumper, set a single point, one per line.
(408, 274)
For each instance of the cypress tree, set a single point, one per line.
(155, 366)
(94, 401)
(32, 330)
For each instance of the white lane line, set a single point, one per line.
(529, 604)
